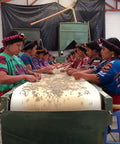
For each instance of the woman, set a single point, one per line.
(29, 50)
(39, 55)
(81, 61)
(12, 70)
(108, 75)
(93, 52)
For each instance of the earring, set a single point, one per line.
(112, 55)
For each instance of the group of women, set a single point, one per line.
(97, 62)
(103, 68)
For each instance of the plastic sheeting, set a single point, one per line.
(19, 16)
(92, 11)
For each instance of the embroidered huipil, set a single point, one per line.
(109, 77)
(12, 66)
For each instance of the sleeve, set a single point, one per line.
(35, 61)
(3, 64)
(26, 60)
(106, 74)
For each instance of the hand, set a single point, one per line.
(70, 71)
(47, 70)
(50, 72)
(37, 75)
(62, 70)
(31, 78)
(77, 75)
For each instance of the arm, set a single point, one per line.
(72, 70)
(89, 77)
(9, 79)
(88, 71)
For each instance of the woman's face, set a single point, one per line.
(33, 51)
(106, 53)
(45, 57)
(72, 57)
(89, 52)
(15, 48)
(40, 56)
(80, 53)
(76, 55)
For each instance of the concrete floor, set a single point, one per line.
(111, 137)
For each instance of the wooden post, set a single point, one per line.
(89, 31)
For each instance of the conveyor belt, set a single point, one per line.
(58, 92)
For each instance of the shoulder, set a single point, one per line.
(111, 65)
(2, 56)
(2, 59)
(25, 57)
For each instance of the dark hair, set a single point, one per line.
(114, 41)
(93, 45)
(54, 57)
(110, 46)
(81, 48)
(72, 53)
(40, 50)
(29, 44)
(13, 37)
(45, 53)
(2, 49)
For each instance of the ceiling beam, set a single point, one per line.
(4, 1)
(33, 2)
(109, 5)
(111, 8)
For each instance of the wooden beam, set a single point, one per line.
(113, 10)
(4, 1)
(38, 21)
(27, 2)
(109, 5)
(33, 2)
(116, 4)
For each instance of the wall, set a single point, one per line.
(112, 22)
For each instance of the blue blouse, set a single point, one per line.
(28, 60)
(109, 77)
